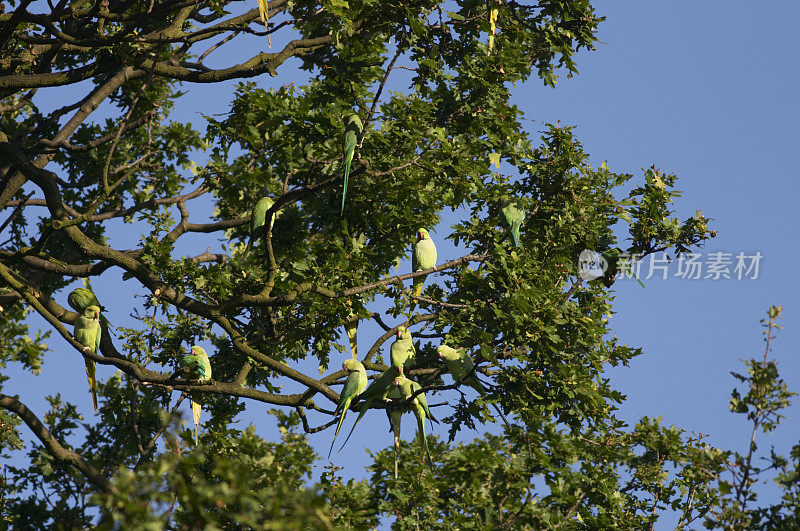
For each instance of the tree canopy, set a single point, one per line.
(441, 148)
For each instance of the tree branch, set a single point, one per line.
(55, 448)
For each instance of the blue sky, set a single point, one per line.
(705, 90)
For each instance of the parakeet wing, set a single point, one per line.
(353, 386)
(97, 339)
(259, 214)
(350, 390)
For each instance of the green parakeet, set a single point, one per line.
(198, 368)
(88, 333)
(424, 257)
(377, 389)
(354, 385)
(258, 219)
(395, 415)
(460, 366)
(259, 216)
(403, 350)
(352, 131)
(420, 408)
(81, 298)
(515, 215)
(462, 369)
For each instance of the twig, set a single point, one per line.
(17, 210)
(151, 445)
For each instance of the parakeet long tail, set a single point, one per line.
(396, 449)
(626, 268)
(347, 162)
(196, 408)
(363, 412)
(421, 428)
(90, 375)
(252, 241)
(338, 426)
(515, 234)
(419, 283)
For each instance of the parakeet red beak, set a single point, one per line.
(421, 236)
(399, 334)
(97, 315)
(439, 352)
(344, 368)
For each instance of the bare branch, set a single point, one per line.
(208, 256)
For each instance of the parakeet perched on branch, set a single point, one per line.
(88, 333)
(259, 217)
(424, 257)
(419, 405)
(460, 366)
(402, 351)
(354, 385)
(515, 215)
(198, 368)
(81, 298)
(377, 389)
(352, 131)
(258, 220)
(462, 369)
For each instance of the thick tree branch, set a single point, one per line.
(55, 448)
(258, 64)
(15, 180)
(48, 79)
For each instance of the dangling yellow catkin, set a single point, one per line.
(263, 11)
(492, 27)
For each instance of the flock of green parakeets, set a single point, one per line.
(88, 333)
(392, 386)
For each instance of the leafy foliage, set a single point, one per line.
(440, 142)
